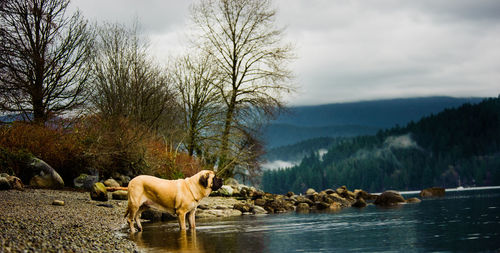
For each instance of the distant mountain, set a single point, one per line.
(353, 119)
(12, 117)
(456, 147)
(277, 135)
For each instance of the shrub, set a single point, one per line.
(11, 161)
(117, 145)
(56, 144)
(108, 145)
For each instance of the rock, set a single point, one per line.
(120, 195)
(4, 184)
(335, 206)
(260, 202)
(111, 183)
(310, 191)
(155, 215)
(85, 181)
(231, 182)
(278, 206)
(329, 191)
(203, 206)
(105, 205)
(259, 210)
(15, 183)
(432, 192)
(151, 215)
(99, 192)
(236, 192)
(243, 207)
(338, 199)
(302, 208)
(58, 202)
(365, 195)
(341, 190)
(302, 199)
(389, 198)
(349, 195)
(320, 205)
(314, 197)
(360, 203)
(45, 176)
(290, 194)
(123, 180)
(226, 191)
(217, 213)
(413, 200)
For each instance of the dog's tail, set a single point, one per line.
(127, 212)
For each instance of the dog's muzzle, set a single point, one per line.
(217, 183)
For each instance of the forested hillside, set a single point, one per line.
(353, 119)
(458, 146)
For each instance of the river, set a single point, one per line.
(462, 221)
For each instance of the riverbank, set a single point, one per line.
(30, 222)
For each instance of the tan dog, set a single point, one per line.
(179, 196)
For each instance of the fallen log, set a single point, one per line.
(112, 189)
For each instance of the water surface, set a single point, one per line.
(463, 221)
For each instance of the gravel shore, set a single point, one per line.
(30, 223)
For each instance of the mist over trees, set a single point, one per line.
(457, 147)
(136, 115)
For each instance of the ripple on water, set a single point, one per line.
(459, 223)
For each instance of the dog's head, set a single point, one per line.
(208, 179)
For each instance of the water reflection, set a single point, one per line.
(171, 241)
(465, 221)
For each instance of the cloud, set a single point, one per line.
(355, 50)
(401, 142)
(278, 164)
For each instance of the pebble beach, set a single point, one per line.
(29, 222)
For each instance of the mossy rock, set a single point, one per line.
(99, 192)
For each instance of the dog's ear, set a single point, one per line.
(204, 180)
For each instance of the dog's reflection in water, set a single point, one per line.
(169, 241)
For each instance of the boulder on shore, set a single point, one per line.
(4, 184)
(310, 191)
(243, 207)
(120, 195)
(432, 192)
(365, 195)
(15, 183)
(99, 192)
(303, 208)
(44, 175)
(110, 182)
(226, 191)
(85, 181)
(389, 198)
(413, 200)
(360, 203)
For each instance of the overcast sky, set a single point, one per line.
(355, 50)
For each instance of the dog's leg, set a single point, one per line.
(131, 218)
(182, 220)
(192, 219)
(138, 217)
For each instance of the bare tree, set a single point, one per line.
(126, 81)
(195, 78)
(248, 51)
(44, 54)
